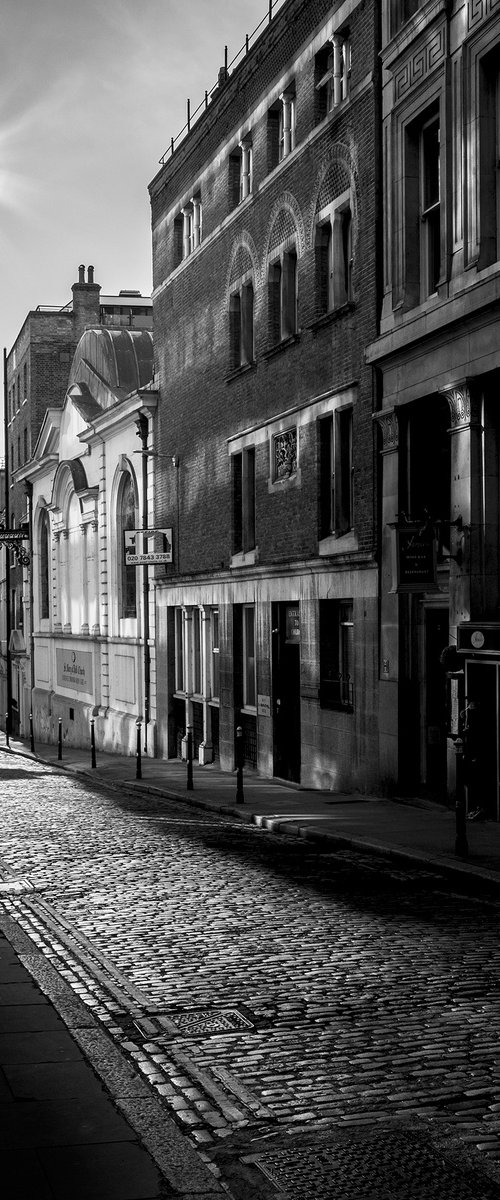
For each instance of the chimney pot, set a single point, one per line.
(81, 274)
(90, 275)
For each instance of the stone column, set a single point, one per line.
(287, 100)
(196, 203)
(338, 69)
(389, 731)
(467, 566)
(56, 592)
(65, 581)
(246, 163)
(187, 214)
(205, 751)
(84, 624)
(93, 579)
(188, 671)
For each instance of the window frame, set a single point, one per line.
(243, 503)
(242, 325)
(334, 246)
(249, 664)
(283, 296)
(336, 473)
(336, 654)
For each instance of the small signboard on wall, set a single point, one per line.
(415, 557)
(159, 547)
(292, 623)
(74, 670)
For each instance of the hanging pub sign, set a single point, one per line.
(415, 556)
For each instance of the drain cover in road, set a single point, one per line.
(228, 1021)
(375, 1165)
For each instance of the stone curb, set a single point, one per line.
(463, 871)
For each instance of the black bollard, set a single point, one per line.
(461, 844)
(32, 735)
(138, 760)
(240, 799)
(7, 742)
(189, 783)
(92, 743)
(59, 741)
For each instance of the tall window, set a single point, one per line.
(336, 654)
(240, 173)
(423, 207)
(187, 229)
(281, 126)
(179, 650)
(127, 519)
(401, 11)
(241, 326)
(243, 468)
(44, 567)
(282, 297)
(215, 655)
(249, 674)
(333, 72)
(334, 254)
(489, 158)
(335, 473)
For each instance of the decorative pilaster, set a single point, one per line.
(467, 563)
(205, 750)
(187, 214)
(85, 583)
(196, 203)
(246, 167)
(287, 99)
(65, 596)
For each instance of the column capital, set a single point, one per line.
(464, 404)
(387, 421)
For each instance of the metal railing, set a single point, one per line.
(203, 105)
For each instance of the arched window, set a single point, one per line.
(127, 519)
(44, 567)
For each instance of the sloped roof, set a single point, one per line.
(117, 361)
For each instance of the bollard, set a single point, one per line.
(138, 761)
(7, 742)
(32, 735)
(92, 743)
(59, 741)
(461, 844)
(239, 766)
(189, 783)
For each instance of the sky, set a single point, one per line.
(91, 92)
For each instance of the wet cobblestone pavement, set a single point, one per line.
(270, 994)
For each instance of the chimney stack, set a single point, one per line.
(81, 274)
(86, 306)
(90, 275)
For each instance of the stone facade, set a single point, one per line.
(438, 359)
(265, 254)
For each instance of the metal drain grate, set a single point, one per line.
(195, 1023)
(381, 1166)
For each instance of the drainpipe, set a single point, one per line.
(8, 660)
(142, 430)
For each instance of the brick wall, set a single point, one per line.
(200, 408)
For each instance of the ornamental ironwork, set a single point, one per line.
(285, 454)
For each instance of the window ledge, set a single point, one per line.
(345, 708)
(245, 558)
(242, 370)
(335, 314)
(281, 346)
(342, 543)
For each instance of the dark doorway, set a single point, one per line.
(481, 686)
(286, 690)
(436, 640)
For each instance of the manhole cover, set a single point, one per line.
(380, 1166)
(229, 1021)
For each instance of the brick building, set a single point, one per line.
(437, 361)
(265, 227)
(37, 374)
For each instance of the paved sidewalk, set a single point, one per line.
(407, 830)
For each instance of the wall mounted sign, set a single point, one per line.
(478, 639)
(415, 556)
(159, 546)
(292, 623)
(74, 670)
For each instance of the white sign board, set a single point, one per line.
(159, 546)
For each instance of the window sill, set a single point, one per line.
(245, 558)
(281, 346)
(331, 707)
(242, 370)
(342, 543)
(335, 314)
(285, 483)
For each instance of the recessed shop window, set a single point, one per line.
(336, 654)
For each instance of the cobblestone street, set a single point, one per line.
(275, 997)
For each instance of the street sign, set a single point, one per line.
(22, 534)
(136, 556)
